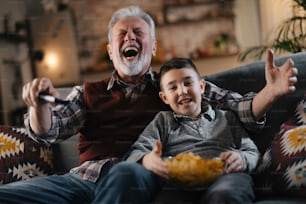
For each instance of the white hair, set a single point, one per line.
(133, 11)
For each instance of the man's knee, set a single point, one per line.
(127, 168)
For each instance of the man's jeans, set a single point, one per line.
(124, 183)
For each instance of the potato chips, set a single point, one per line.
(193, 170)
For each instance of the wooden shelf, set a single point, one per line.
(13, 38)
(199, 3)
(174, 13)
(203, 19)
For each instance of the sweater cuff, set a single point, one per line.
(136, 157)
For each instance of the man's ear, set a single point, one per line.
(109, 51)
(154, 48)
(163, 97)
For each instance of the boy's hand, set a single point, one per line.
(153, 162)
(233, 162)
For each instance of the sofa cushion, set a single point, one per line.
(283, 168)
(21, 157)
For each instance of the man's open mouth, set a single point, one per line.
(130, 52)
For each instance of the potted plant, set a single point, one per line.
(291, 36)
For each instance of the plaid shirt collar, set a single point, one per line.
(132, 91)
(206, 111)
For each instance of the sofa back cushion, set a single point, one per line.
(21, 157)
(282, 170)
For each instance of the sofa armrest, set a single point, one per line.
(66, 155)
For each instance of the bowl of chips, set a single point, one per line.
(192, 170)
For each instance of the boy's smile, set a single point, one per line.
(182, 89)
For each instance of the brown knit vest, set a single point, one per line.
(113, 123)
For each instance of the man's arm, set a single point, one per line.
(251, 108)
(279, 81)
(48, 123)
(39, 113)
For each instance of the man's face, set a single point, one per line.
(182, 89)
(132, 47)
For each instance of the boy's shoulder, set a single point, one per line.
(166, 117)
(165, 114)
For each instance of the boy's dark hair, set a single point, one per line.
(177, 63)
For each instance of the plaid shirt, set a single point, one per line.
(67, 120)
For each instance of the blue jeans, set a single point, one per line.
(128, 183)
(232, 188)
(123, 183)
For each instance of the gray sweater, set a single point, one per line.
(214, 132)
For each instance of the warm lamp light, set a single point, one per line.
(51, 61)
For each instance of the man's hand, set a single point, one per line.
(233, 162)
(281, 80)
(30, 91)
(39, 113)
(153, 162)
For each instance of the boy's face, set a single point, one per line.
(182, 89)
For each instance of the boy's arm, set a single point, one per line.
(244, 159)
(147, 150)
(146, 141)
(249, 153)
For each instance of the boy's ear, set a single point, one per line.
(202, 85)
(163, 97)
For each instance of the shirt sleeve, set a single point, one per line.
(229, 100)
(245, 146)
(155, 130)
(249, 153)
(66, 120)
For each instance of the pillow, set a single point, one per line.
(283, 167)
(21, 157)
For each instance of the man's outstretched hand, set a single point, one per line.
(281, 80)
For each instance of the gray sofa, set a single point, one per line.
(241, 79)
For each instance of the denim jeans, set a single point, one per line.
(234, 188)
(128, 183)
(124, 183)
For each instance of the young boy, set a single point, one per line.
(194, 126)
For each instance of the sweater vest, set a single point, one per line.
(112, 122)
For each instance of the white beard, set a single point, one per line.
(134, 68)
